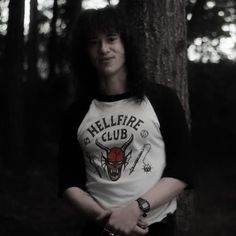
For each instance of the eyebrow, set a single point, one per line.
(112, 33)
(106, 34)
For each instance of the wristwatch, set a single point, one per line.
(143, 205)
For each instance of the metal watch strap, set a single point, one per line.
(143, 205)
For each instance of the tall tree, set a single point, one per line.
(13, 85)
(64, 15)
(161, 30)
(72, 10)
(53, 42)
(32, 52)
(67, 13)
(32, 80)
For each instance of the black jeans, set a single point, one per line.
(164, 228)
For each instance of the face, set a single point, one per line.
(107, 54)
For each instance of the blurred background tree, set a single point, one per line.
(37, 85)
(11, 85)
(212, 56)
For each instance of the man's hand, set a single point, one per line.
(126, 221)
(103, 217)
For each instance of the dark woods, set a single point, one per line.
(35, 79)
(36, 85)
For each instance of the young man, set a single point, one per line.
(125, 146)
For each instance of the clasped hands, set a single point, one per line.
(123, 221)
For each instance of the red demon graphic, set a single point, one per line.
(115, 158)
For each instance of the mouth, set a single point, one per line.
(105, 60)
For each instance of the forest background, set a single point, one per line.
(36, 86)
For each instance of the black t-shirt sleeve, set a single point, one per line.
(177, 141)
(175, 134)
(71, 171)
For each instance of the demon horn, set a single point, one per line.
(102, 146)
(125, 145)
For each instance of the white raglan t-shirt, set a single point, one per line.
(124, 153)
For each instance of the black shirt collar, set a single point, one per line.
(112, 98)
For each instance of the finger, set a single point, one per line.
(140, 231)
(142, 224)
(106, 214)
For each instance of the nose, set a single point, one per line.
(104, 47)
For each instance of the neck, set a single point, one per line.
(114, 84)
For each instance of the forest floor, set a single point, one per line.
(29, 204)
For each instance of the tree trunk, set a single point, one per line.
(68, 13)
(32, 52)
(197, 12)
(32, 82)
(161, 28)
(53, 43)
(13, 130)
(73, 9)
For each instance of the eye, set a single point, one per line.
(93, 41)
(112, 37)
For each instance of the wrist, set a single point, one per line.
(102, 217)
(143, 205)
(135, 207)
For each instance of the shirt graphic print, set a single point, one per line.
(116, 158)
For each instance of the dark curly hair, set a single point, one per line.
(106, 20)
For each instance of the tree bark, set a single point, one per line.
(161, 28)
(13, 130)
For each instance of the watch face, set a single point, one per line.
(143, 205)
